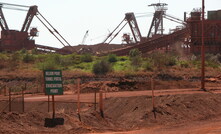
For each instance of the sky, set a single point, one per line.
(72, 18)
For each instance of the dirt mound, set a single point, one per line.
(136, 112)
(20, 123)
(120, 114)
(34, 122)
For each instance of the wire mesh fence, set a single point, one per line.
(23, 96)
(17, 96)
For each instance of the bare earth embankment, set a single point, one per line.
(173, 112)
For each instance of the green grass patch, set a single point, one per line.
(122, 65)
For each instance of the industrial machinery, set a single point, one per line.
(127, 38)
(155, 43)
(13, 40)
(212, 35)
(189, 33)
(131, 20)
(157, 28)
(85, 37)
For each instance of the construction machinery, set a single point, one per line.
(156, 37)
(189, 33)
(157, 27)
(13, 40)
(212, 31)
(131, 20)
(85, 37)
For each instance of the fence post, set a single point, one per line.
(5, 87)
(101, 103)
(23, 98)
(79, 103)
(43, 84)
(105, 93)
(153, 102)
(95, 100)
(2, 90)
(9, 99)
(37, 87)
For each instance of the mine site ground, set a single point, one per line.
(180, 106)
(128, 109)
(150, 84)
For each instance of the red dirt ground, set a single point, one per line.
(179, 104)
(176, 111)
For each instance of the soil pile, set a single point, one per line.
(137, 112)
(120, 114)
(34, 122)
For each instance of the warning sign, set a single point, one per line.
(53, 82)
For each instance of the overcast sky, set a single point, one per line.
(72, 18)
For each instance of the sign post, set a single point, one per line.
(53, 107)
(53, 85)
(48, 103)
